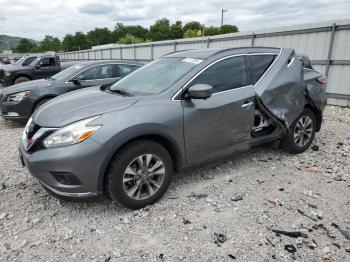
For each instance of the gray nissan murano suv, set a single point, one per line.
(181, 110)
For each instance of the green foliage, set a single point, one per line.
(190, 33)
(193, 25)
(123, 34)
(24, 46)
(225, 29)
(176, 30)
(130, 39)
(99, 36)
(160, 30)
(49, 43)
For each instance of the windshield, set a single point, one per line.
(19, 61)
(156, 76)
(67, 73)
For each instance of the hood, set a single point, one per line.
(29, 85)
(78, 105)
(13, 68)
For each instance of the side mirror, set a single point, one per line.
(77, 80)
(199, 91)
(37, 66)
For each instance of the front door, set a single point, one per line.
(222, 123)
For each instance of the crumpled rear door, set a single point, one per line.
(282, 88)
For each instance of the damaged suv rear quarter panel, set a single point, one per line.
(282, 88)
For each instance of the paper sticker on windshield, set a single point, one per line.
(192, 60)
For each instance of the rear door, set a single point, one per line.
(222, 123)
(104, 74)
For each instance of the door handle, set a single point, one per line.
(249, 104)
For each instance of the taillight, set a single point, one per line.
(322, 79)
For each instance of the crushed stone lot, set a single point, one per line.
(259, 205)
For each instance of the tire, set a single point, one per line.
(21, 79)
(40, 103)
(299, 138)
(132, 186)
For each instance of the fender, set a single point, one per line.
(155, 132)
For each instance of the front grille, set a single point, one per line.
(33, 128)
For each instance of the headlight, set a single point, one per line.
(7, 74)
(72, 134)
(18, 97)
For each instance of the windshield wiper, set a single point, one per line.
(121, 92)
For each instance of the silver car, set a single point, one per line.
(181, 110)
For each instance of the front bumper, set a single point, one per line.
(5, 81)
(16, 111)
(83, 161)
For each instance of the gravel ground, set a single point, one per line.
(225, 211)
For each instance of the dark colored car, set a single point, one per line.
(40, 67)
(18, 102)
(181, 110)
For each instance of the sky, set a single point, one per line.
(36, 18)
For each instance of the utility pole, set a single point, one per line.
(222, 16)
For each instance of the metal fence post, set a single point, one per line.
(330, 49)
(152, 55)
(208, 42)
(121, 53)
(134, 52)
(253, 39)
(101, 54)
(175, 44)
(110, 53)
(95, 55)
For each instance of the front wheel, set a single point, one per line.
(139, 174)
(300, 134)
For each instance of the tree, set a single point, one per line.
(176, 30)
(130, 39)
(190, 33)
(193, 25)
(211, 30)
(50, 43)
(68, 43)
(99, 36)
(160, 30)
(225, 29)
(80, 41)
(24, 46)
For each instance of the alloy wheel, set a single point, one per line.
(303, 131)
(144, 176)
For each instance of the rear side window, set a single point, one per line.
(126, 69)
(98, 72)
(225, 75)
(47, 62)
(260, 63)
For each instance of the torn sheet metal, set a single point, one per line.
(282, 88)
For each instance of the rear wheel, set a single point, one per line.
(139, 174)
(301, 133)
(21, 79)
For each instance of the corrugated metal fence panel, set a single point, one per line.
(106, 54)
(338, 81)
(162, 50)
(230, 43)
(315, 45)
(144, 52)
(116, 54)
(190, 45)
(128, 53)
(341, 48)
